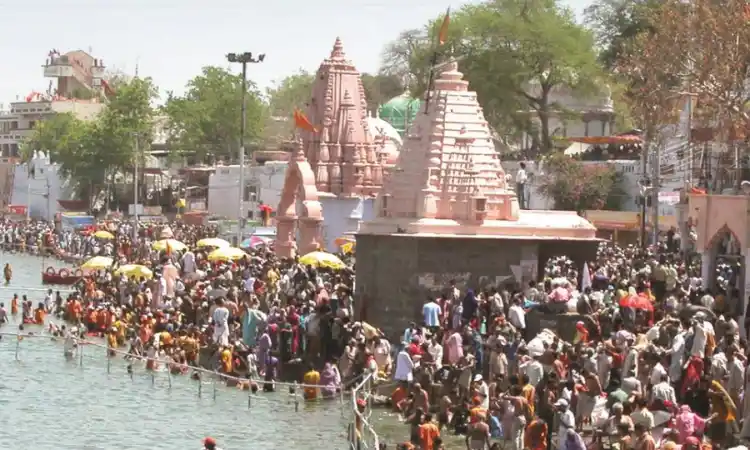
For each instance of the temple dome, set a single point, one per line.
(400, 111)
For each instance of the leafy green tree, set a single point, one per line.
(515, 54)
(616, 23)
(290, 93)
(408, 59)
(380, 88)
(205, 121)
(575, 186)
(88, 151)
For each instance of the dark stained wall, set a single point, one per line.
(396, 274)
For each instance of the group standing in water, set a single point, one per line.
(24, 306)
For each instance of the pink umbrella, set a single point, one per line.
(255, 242)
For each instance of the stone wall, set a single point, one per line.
(396, 274)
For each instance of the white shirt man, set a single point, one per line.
(220, 318)
(534, 370)
(517, 317)
(404, 367)
(567, 421)
(664, 391)
(657, 373)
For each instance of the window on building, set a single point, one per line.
(14, 125)
(31, 124)
(14, 150)
(251, 193)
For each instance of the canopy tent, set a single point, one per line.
(621, 139)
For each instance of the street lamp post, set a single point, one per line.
(244, 59)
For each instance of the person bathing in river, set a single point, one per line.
(14, 305)
(39, 314)
(71, 344)
(8, 273)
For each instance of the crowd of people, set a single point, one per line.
(644, 357)
(249, 318)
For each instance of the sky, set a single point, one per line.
(170, 40)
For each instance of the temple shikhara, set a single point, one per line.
(347, 159)
(446, 212)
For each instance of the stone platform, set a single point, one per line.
(397, 272)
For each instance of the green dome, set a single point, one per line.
(400, 111)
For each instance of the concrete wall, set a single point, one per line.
(267, 182)
(342, 216)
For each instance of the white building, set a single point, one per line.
(576, 116)
(262, 184)
(38, 185)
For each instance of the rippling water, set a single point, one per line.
(48, 403)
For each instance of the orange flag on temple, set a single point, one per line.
(168, 249)
(443, 33)
(301, 121)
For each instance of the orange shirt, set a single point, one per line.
(398, 396)
(14, 306)
(39, 316)
(427, 434)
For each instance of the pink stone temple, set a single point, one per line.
(446, 212)
(345, 158)
(299, 187)
(348, 163)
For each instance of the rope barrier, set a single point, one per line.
(35, 289)
(214, 376)
(358, 434)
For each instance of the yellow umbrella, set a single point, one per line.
(343, 240)
(348, 248)
(322, 259)
(98, 263)
(173, 245)
(135, 271)
(213, 242)
(102, 234)
(226, 254)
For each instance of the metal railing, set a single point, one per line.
(361, 433)
(214, 377)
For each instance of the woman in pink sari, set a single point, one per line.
(688, 423)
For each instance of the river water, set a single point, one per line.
(48, 403)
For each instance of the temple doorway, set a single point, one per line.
(726, 273)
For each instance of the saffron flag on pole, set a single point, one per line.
(443, 33)
(302, 122)
(168, 250)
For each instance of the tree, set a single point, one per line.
(702, 49)
(616, 23)
(205, 122)
(90, 151)
(380, 88)
(575, 186)
(407, 59)
(515, 54)
(290, 93)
